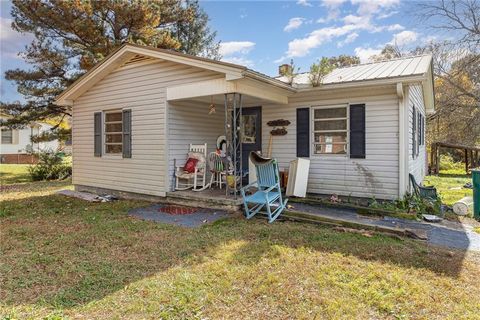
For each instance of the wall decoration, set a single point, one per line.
(278, 123)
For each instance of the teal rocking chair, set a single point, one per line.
(267, 194)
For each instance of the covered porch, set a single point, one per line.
(203, 112)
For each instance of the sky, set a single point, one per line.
(264, 34)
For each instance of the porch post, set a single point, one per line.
(233, 119)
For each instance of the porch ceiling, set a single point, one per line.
(218, 100)
(254, 92)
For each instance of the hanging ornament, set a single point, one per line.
(211, 107)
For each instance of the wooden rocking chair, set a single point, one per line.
(268, 194)
(198, 179)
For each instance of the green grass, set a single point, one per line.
(67, 258)
(449, 184)
(14, 173)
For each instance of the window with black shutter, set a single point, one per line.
(330, 130)
(113, 132)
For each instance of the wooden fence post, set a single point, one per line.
(466, 161)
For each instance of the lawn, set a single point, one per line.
(66, 258)
(450, 184)
(14, 173)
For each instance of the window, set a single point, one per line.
(7, 136)
(113, 132)
(330, 128)
(418, 132)
(249, 130)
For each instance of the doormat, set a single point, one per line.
(177, 210)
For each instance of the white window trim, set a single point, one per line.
(104, 133)
(12, 136)
(312, 130)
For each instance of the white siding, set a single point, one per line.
(22, 141)
(416, 166)
(142, 89)
(374, 176)
(191, 123)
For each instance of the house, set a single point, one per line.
(16, 145)
(139, 109)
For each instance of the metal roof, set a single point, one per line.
(401, 67)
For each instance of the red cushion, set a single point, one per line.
(190, 165)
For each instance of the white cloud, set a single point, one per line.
(294, 23)
(333, 3)
(395, 27)
(12, 41)
(366, 53)
(349, 39)
(387, 14)
(370, 7)
(352, 19)
(304, 3)
(403, 38)
(236, 51)
(333, 7)
(301, 47)
(363, 17)
(236, 47)
(239, 60)
(399, 39)
(6, 32)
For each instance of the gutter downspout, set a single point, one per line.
(402, 140)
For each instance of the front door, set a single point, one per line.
(250, 133)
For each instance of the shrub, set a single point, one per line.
(410, 203)
(448, 163)
(51, 166)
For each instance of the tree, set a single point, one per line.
(290, 71)
(457, 115)
(72, 36)
(456, 69)
(319, 70)
(389, 52)
(343, 60)
(194, 35)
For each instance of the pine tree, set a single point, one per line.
(70, 37)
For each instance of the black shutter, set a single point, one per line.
(303, 132)
(127, 133)
(423, 130)
(419, 134)
(97, 139)
(357, 131)
(414, 133)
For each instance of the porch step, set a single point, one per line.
(215, 199)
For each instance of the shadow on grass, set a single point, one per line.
(64, 252)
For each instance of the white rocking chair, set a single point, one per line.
(198, 179)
